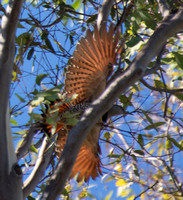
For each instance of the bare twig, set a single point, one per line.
(175, 180)
(157, 63)
(40, 167)
(23, 148)
(149, 188)
(125, 14)
(171, 91)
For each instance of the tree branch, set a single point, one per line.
(122, 81)
(23, 148)
(40, 167)
(125, 14)
(149, 188)
(104, 12)
(157, 64)
(171, 91)
(163, 8)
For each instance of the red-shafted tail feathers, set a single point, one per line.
(87, 163)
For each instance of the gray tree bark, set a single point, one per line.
(10, 173)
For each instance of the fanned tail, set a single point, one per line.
(87, 165)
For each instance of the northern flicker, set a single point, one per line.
(86, 76)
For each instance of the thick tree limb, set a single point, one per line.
(122, 81)
(10, 182)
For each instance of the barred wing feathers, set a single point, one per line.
(91, 65)
(87, 74)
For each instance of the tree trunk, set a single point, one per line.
(10, 173)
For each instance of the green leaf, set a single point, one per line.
(30, 198)
(30, 53)
(133, 41)
(114, 156)
(23, 39)
(5, 2)
(20, 25)
(37, 100)
(108, 197)
(126, 101)
(108, 179)
(40, 77)
(175, 142)
(135, 170)
(140, 152)
(33, 149)
(35, 92)
(179, 96)
(112, 12)
(71, 39)
(107, 135)
(21, 132)
(36, 116)
(71, 119)
(159, 84)
(147, 19)
(14, 122)
(44, 35)
(140, 140)
(49, 45)
(92, 18)
(65, 193)
(20, 98)
(147, 117)
(154, 125)
(76, 4)
(179, 59)
(168, 145)
(166, 60)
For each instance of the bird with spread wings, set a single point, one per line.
(88, 71)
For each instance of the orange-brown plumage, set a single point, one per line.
(91, 64)
(87, 163)
(87, 74)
